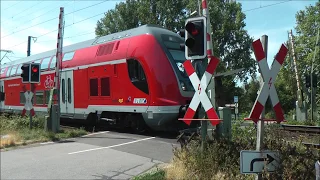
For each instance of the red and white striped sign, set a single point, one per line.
(269, 76)
(28, 104)
(200, 94)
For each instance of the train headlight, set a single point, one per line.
(183, 86)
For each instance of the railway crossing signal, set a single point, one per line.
(35, 73)
(200, 94)
(25, 74)
(269, 76)
(195, 34)
(31, 73)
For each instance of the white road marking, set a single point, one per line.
(50, 142)
(102, 132)
(112, 145)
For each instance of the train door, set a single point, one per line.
(2, 95)
(66, 95)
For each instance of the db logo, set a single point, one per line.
(49, 82)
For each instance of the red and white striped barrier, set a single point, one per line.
(200, 94)
(28, 104)
(269, 76)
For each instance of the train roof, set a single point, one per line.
(144, 29)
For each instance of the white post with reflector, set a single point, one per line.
(59, 59)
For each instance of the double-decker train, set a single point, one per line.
(133, 78)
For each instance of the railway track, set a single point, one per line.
(301, 128)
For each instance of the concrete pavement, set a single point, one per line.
(107, 155)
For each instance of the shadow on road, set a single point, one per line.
(117, 173)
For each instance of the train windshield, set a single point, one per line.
(172, 44)
(177, 58)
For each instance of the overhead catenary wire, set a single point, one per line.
(55, 18)
(23, 11)
(54, 8)
(57, 29)
(266, 6)
(69, 37)
(11, 6)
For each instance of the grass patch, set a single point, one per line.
(221, 158)
(14, 130)
(158, 174)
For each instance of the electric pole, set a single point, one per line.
(31, 85)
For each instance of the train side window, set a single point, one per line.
(69, 90)
(137, 75)
(94, 87)
(45, 63)
(105, 86)
(39, 97)
(63, 91)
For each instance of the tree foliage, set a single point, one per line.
(308, 23)
(231, 43)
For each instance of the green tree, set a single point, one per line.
(247, 99)
(133, 13)
(308, 23)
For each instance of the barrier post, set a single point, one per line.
(224, 127)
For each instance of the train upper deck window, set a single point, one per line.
(53, 62)
(37, 61)
(68, 56)
(19, 70)
(13, 70)
(45, 63)
(137, 75)
(8, 71)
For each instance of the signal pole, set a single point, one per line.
(31, 85)
(211, 86)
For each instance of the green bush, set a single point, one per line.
(17, 122)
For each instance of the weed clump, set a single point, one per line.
(14, 130)
(221, 158)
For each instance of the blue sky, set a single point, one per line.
(20, 19)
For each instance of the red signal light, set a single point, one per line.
(34, 69)
(191, 28)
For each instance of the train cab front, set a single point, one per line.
(171, 45)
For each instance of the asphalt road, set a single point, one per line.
(106, 155)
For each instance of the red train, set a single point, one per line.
(133, 78)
